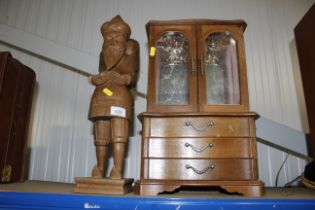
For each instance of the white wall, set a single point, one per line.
(61, 140)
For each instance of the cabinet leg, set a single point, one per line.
(246, 188)
(248, 191)
(153, 189)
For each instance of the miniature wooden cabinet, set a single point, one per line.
(197, 66)
(198, 130)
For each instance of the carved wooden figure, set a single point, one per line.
(112, 107)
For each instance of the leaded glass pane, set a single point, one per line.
(221, 67)
(172, 69)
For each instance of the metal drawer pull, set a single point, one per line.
(201, 171)
(210, 145)
(200, 129)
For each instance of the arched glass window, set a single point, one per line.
(221, 67)
(172, 53)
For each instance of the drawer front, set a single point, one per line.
(199, 147)
(199, 127)
(200, 169)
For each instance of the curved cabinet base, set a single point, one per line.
(154, 187)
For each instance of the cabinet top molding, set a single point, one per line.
(238, 22)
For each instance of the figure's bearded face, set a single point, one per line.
(114, 47)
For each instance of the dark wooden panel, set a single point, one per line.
(305, 41)
(16, 93)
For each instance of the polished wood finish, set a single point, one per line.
(246, 188)
(199, 147)
(305, 43)
(173, 151)
(93, 185)
(200, 169)
(196, 31)
(112, 108)
(17, 87)
(195, 142)
(183, 126)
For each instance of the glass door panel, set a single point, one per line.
(221, 69)
(172, 62)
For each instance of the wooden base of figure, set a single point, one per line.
(154, 187)
(104, 186)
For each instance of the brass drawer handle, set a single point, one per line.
(200, 129)
(199, 171)
(199, 150)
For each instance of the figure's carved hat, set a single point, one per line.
(116, 25)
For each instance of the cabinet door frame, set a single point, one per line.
(203, 32)
(155, 33)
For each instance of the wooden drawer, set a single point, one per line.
(199, 147)
(199, 127)
(200, 169)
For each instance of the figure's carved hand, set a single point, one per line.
(106, 75)
(100, 78)
(124, 79)
(95, 80)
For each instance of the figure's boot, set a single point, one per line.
(119, 137)
(101, 141)
(118, 156)
(101, 157)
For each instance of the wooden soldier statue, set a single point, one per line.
(112, 104)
